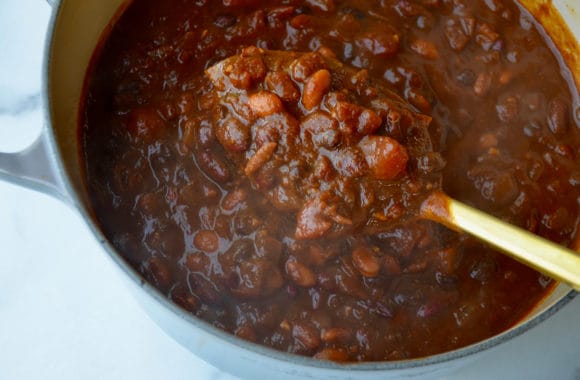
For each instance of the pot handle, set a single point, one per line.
(33, 168)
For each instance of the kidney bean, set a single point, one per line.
(306, 335)
(267, 246)
(301, 21)
(496, 186)
(278, 15)
(447, 260)
(206, 241)
(280, 83)
(350, 162)
(425, 49)
(183, 297)
(315, 87)
(265, 103)
(246, 71)
(204, 134)
(254, 24)
(488, 140)
(326, 281)
(348, 115)
(557, 220)
(225, 21)
(558, 116)
(348, 280)
(385, 157)
(256, 277)
(419, 101)
(384, 43)
(361, 80)
(234, 200)
(150, 203)
(318, 255)
(265, 133)
(323, 127)
(188, 193)
(188, 134)
(222, 228)
(213, 166)
(368, 122)
(323, 168)
(326, 52)
(300, 274)
(486, 36)
(503, 189)
(210, 191)
(505, 77)
(402, 241)
(239, 108)
(157, 271)
(145, 124)
(283, 197)
(382, 309)
(366, 262)
(246, 222)
(233, 135)
(287, 127)
(508, 109)
(302, 68)
(431, 162)
(456, 36)
(204, 289)
(417, 266)
(482, 84)
(197, 262)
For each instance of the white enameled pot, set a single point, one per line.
(52, 165)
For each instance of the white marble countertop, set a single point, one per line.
(64, 311)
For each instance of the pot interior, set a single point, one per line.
(79, 26)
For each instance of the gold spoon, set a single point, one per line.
(545, 256)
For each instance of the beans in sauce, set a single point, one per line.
(287, 217)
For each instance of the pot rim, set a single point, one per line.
(228, 338)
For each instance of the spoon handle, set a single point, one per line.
(545, 256)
